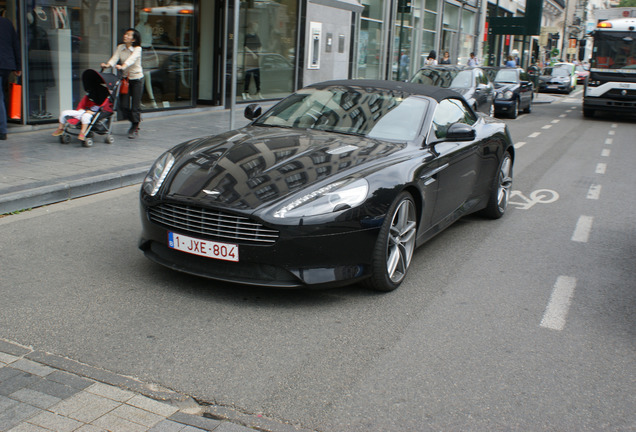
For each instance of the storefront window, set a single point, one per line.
(369, 49)
(468, 37)
(266, 49)
(166, 39)
(402, 46)
(61, 42)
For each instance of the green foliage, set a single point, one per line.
(627, 3)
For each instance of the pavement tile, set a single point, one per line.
(7, 358)
(169, 426)
(25, 427)
(90, 428)
(7, 372)
(55, 389)
(32, 367)
(6, 403)
(68, 379)
(196, 421)
(52, 421)
(16, 382)
(84, 407)
(232, 427)
(114, 423)
(137, 415)
(110, 392)
(160, 408)
(16, 414)
(35, 398)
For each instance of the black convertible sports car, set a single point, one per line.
(337, 183)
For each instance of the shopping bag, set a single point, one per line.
(123, 88)
(15, 100)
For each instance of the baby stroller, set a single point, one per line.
(99, 87)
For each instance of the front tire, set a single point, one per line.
(514, 112)
(395, 245)
(500, 190)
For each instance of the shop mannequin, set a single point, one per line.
(149, 56)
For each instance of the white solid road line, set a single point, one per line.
(583, 229)
(559, 304)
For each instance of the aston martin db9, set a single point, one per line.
(335, 184)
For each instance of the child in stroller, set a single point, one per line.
(94, 112)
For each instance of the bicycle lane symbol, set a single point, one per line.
(540, 196)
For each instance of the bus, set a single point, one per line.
(611, 84)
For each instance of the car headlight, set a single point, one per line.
(340, 195)
(158, 173)
(508, 94)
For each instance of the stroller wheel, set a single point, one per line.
(88, 142)
(65, 138)
(109, 139)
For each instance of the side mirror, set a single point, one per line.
(460, 132)
(252, 111)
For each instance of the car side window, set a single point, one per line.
(451, 111)
(524, 76)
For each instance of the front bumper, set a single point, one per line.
(294, 261)
(504, 106)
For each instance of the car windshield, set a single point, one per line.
(380, 114)
(506, 76)
(556, 72)
(435, 77)
(464, 79)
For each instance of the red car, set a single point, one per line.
(581, 74)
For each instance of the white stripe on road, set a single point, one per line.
(601, 168)
(609, 141)
(559, 304)
(594, 192)
(583, 229)
(534, 134)
(606, 152)
(547, 126)
(555, 121)
(563, 115)
(520, 144)
(611, 133)
(614, 125)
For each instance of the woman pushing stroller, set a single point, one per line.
(127, 58)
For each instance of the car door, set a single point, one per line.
(525, 89)
(458, 161)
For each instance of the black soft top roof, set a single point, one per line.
(436, 93)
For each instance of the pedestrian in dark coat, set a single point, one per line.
(10, 61)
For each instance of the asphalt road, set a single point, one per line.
(525, 323)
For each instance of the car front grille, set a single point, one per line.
(212, 223)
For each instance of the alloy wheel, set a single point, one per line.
(504, 183)
(401, 241)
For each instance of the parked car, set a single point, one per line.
(471, 83)
(558, 79)
(337, 183)
(172, 80)
(514, 92)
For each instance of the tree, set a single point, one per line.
(627, 3)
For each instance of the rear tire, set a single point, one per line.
(528, 109)
(500, 189)
(395, 245)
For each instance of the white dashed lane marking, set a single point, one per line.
(520, 144)
(583, 229)
(609, 141)
(606, 152)
(557, 310)
(601, 168)
(594, 192)
(534, 134)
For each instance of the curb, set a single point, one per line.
(76, 188)
(203, 415)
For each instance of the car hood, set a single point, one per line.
(502, 87)
(255, 166)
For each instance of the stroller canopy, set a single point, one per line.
(98, 85)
